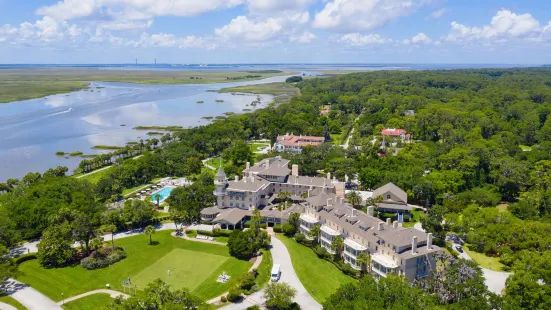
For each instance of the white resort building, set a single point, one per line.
(320, 201)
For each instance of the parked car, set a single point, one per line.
(276, 273)
(459, 249)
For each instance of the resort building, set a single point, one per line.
(295, 143)
(320, 201)
(393, 200)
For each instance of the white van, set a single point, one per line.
(276, 273)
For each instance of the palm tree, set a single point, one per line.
(337, 245)
(112, 229)
(157, 197)
(315, 233)
(354, 199)
(304, 195)
(150, 230)
(364, 260)
(285, 200)
(294, 219)
(256, 220)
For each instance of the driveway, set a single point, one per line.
(29, 297)
(494, 280)
(280, 256)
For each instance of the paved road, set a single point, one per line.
(113, 294)
(280, 256)
(494, 280)
(29, 297)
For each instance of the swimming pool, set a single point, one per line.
(165, 192)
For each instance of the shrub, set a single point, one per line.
(321, 251)
(277, 228)
(255, 307)
(407, 218)
(105, 259)
(288, 229)
(25, 257)
(60, 153)
(234, 294)
(223, 299)
(300, 237)
(247, 281)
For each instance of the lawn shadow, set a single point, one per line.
(154, 243)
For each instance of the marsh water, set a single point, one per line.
(32, 131)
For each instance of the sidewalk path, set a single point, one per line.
(95, 171)
(29, 297)
(4, 306)
(113, 294)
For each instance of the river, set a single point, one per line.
(32, 131)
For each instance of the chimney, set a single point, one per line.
(388, 221)
(267, 163)
(247, 165)
(329, 201)
(237, 178)
(370, 210)
(380, 227)
(395, 224)
(252, 179)
(429, 241)
(328, 175)
(414, 245)
(294, 170)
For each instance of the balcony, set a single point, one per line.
(383, 265)
(307, 218)
(353, 248)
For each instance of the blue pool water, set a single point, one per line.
(165, 192)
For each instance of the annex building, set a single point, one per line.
(320, 201)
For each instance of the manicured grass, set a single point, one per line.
(187, 269)
(95, 177)
(265, 268)
(416, 216)
(282, 92)
(222, 239)
(140, 255)
(12, 301)
(319, 277)
(487, 262)
(91, 302)
(256, 147)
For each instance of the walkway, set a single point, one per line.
(95, 171)
(113, 294)
(184, 236)
(280, 256)
(4, 306)
(29, 297)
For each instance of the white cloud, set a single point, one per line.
(419, 38)
(143, 9)
(271, 5)
(363, 15)
(44, 31)
(243, 28)
(504, 26)
(305, 37)
(356, 39)
(438, 13)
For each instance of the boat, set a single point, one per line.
(70, 110)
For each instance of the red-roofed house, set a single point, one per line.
(396, 133)
(295, 143)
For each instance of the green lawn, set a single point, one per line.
(91, 302)
(282, 92)
(487, 262)
(319, 277)
(95, 177)
(265, 268)
(12, 301)
(140, 256)
(256, 147)
(416, 217)
(187, 269)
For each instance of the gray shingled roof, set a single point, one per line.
(220, 172)
(397, 206)
(260, 167)
(390, 187)
(232, 216)
(210, 211)
(310, 181)
(246, 184)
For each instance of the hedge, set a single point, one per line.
(277, 228)
(262, 225)
(25, 257)
(215, 233)
(91, 263)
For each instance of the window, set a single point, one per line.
(387, 196)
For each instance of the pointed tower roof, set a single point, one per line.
(220, 172)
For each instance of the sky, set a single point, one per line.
(275, 31)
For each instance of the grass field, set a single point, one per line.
(319, 277)
(187, 269)
(256, 147)
(12, 301)
(95, 177)
(282, 92)
(21, 84)
(91, 302)
(487, 262)
(140, 256)
(416, 217)
(265, 268)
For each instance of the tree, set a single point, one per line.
(56, 247)
(96, 243)
(158, 197)
(285, 201)
(256, 219)
(8, 268)
(294, 218)
(112, 229)
(337, 245)
(288, 229)
(433, 223)
(138, 211)
(294, 79)
(150, 230)
(299, 237)
(354, 199)
(240, 245)
(364, 260)
(279, 296)
(315, 233)
(108, 189)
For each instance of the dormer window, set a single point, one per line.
(387, 196)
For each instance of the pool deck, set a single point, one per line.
(160, 190)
